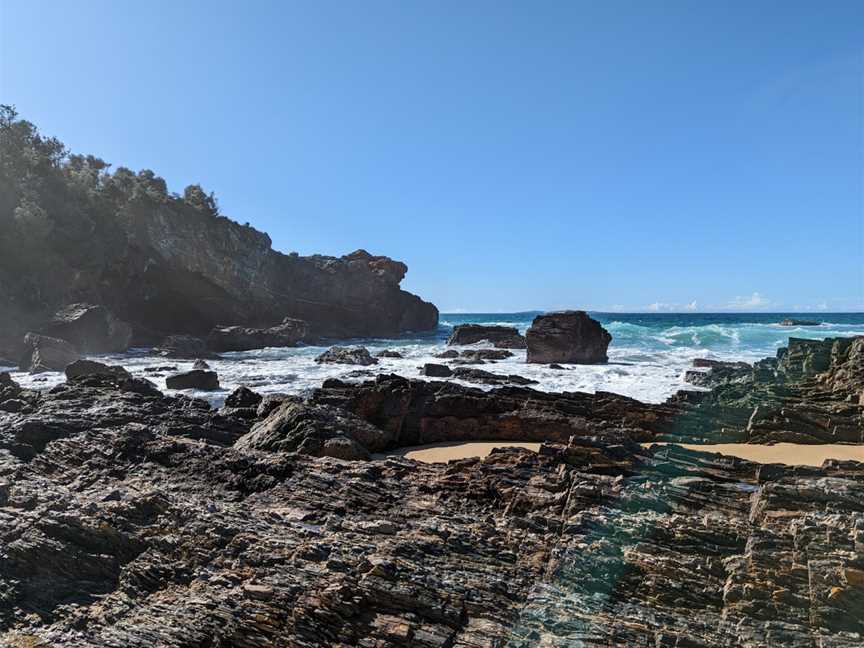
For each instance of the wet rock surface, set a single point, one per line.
(194, 379)
(143, 520)
(347, 355)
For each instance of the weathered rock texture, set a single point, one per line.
(567, 337)
(810, 393)
(135, 520)
(502, 337)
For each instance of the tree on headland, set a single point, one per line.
(196, 197)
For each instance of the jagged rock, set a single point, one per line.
(489, 378)
(46, 353)
(89, 367)
(183, 347)
(569, 337)
(717, 372)
(238, 338)
(90, 328)
(347, 355)
(436, 370)
(388, 353)
(502, 337)
(317, 430)
(417, 411)
(798, 322)
(195, 379)
(200, 364)
(557, 366)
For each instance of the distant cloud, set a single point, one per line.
(658, 307)
(756, 300)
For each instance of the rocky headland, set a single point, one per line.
(134, 519)
(104, 259)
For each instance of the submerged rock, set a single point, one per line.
(485, 354)
(195, 379)
(503, 337)
(569, 337)
(44, 353)
(347, 355)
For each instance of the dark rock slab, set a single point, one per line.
(195, 379)
(183, 347)
(489, 378)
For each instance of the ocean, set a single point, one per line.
(648, 355)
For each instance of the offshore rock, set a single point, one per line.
(799, 322)
(347, 355)
(568, 337)
(196, 379)
(90, 328)
(502, 337)
(45, 353)
(485, 354)
(239, 338)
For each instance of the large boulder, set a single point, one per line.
(240, 338)
(45, 353)
(81, 368)
(91, 328)
(195, 379)
(502, 337)
(317, 430)
(433, 370)
(347, 355)
(567, 337)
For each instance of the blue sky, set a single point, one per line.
(516, 155)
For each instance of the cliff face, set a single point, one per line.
(72, 232)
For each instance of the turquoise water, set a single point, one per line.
(648, 355)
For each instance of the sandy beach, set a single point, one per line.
(785, 453)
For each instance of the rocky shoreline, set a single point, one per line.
(130, 518)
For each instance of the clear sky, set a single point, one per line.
(516, 155)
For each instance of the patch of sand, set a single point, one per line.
(444, 452)
(792, 454)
